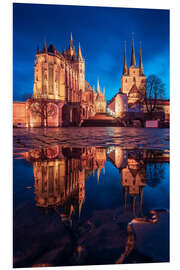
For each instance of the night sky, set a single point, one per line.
(101, 32)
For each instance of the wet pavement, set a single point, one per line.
(84, 196)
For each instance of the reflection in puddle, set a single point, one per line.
(95, 195)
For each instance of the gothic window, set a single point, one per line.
(51, 179)
(45, 75)
(51, 79)
(134, 79)
(58, 79)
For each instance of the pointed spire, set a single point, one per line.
(71, 41)
(37, 52)
(98, 87)
(140, 63)
(125, 63)
(133, 59)
(79, 53)
(45, 47)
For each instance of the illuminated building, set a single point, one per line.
(61, 89)
(60, 174)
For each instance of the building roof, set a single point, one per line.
(113, 98)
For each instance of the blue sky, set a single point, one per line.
(101, 32)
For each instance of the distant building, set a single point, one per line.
(59, 80)
(133, 80)
(133, 89)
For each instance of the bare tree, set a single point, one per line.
(155, 89)
(43, 108)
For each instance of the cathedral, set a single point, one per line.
(61, 95)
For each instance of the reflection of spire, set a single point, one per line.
(133, 200)
(104, 171)
(80, 207)
(125, 196)
(141, 189)
(71, 210)
(98, 174)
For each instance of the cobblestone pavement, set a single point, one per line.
(127, 138)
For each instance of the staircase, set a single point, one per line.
(101, 120)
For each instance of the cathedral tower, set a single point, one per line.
(133, 80)
(81, 70)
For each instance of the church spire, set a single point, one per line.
(79, 53)
(45, 47)
(140, 63)
(98, 87)
(71, 41)
(125, 63)
(133, 59)
(37, 51)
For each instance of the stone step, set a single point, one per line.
(101, 116)
(99, 123)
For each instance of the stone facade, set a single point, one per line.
(118, 105)
(132, 91)
(133, 86)
(61, 95)
(133, 80)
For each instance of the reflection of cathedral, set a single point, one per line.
(133, 180)
(60, 174)
(61, 95)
